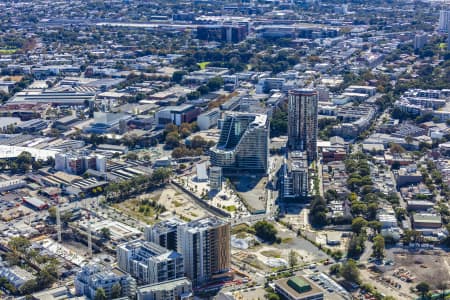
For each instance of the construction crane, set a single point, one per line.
(90, 238)
(58, 219)
(58, 223)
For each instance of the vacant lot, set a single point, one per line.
(430, 266)
(252, 192)
(164, 202)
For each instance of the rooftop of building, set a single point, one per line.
(144, 250)
(167, 285)
(178, 109)
(427, 217)
(298, 287)
(303, 92)
(206, 223)
(297, 161)
(167, 225)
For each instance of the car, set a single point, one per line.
(330, 290)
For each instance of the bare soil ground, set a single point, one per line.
(432, 266)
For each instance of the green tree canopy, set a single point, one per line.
(177, 76)
(266, 231)
(358, 224)
(378, 246)
(116, 290)
(100, 294)
(423, 289)
(350, 271)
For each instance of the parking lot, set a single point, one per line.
(331, 288)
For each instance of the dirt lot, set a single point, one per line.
(432, 266)
(252, 192)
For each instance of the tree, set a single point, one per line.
(442, 286)
(198, 142)
(335, 269)
(161, 175)
(265, 231)
(172, 140)
(278, 123)
(177, 76)
(359, 208)
(396, 148)
(350, 271)
(47, 276)
(356, 245)
(116, 290)
(96, 139)
(28, 287)
(215, 83)
(292, 259)
(7, 285)
(106, 233)
(170, 128)
(100, 294)
(130, 140)
(19, 244)
(423, 288)
(273, 296)
(318, 210)
(375, 225)
(203, 89)
(132, 156)
(23, 162)
(372, 209)
(358, 224)
(378, 247)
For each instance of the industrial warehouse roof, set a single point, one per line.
(49, 96)
(14, 151)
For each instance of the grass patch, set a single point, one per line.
(230, 208)
(241, 235)
(253, 261)
(143, 210)
(7, 51)
(177, 203)
(194, 215)
(286, 240)
(242, 228)
(186, 219)
(271, 253)
(203, 64)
